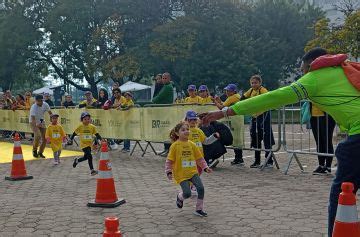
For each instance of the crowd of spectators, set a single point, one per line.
(164, 94)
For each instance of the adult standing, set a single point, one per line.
(165, 96)
(47, 99)
(322, 127)
(158, 84)
(333, 86)
(37, 122)
(90, 102)
(68, 101)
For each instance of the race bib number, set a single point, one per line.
(87, 137)
(56, 135)
(198, 144)
(188, 163)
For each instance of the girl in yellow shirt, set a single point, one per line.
(55, 135)
(204, 94)
(260, 127)
(86, 131)
(198, 137)
(192, 98)
(181, 164)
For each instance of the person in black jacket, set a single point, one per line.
(158, 84)
(217, 149)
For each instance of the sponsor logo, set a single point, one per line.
(160, 124)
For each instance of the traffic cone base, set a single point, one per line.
(346, 222)
(18, 178)
(105, 185)
(106, 205)
(18, 169)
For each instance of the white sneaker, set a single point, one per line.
(56, 162)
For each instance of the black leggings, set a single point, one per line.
(87, 156)
(323, 128)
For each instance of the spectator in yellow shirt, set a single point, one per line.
(29, 100)
(192, 98)
(90, 102)
(127, 105)
(260, 127)
(204, 94)
(232, 97)
(119, 99)
(55, 135)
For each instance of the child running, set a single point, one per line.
(181, 165)
(55, 134)
(198, 137)
(86, 131)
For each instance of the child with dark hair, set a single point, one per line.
(260, 127)
(103, 97)
(86, 131)
(181, 164)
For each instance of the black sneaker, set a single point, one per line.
(255, 165)
(93, 172)
(328, 169)
(35, 154)
(320, 170)
(238, 161)
(41, 155)
(213, 164)
(179, 203)
(75, 162)
(200, 213)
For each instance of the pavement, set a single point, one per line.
(239, 201)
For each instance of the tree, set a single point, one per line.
(338, 39)
(221, 42)
(16, 36)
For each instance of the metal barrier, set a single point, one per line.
(315, 139)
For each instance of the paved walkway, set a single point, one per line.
(240, 201)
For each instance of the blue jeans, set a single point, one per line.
(126, 144)
(348, 170)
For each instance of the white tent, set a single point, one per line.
(133, 86)
(43, 90)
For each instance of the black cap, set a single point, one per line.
(39, 97)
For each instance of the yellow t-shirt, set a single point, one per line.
(206, 100)
(197, 136)
(251, 92)
(179, 101)
(86, 134)
(127, 103)
(231, 100)
(88, 106)
(184, 156)
(193, 100)
(119, 102)
(56, 134)
(316, 112)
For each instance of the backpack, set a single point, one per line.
(214, 150)
(226, 138)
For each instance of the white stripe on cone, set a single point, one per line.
(346, 214)
(17, 143)
(105, 174)
(104, 156)
(17, 157)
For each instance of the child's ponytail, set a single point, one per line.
(175, 131)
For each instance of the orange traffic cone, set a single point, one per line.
(18, 170)
(346, 222)
(112, 227)
(105, 189)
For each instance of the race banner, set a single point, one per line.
(147, 123)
